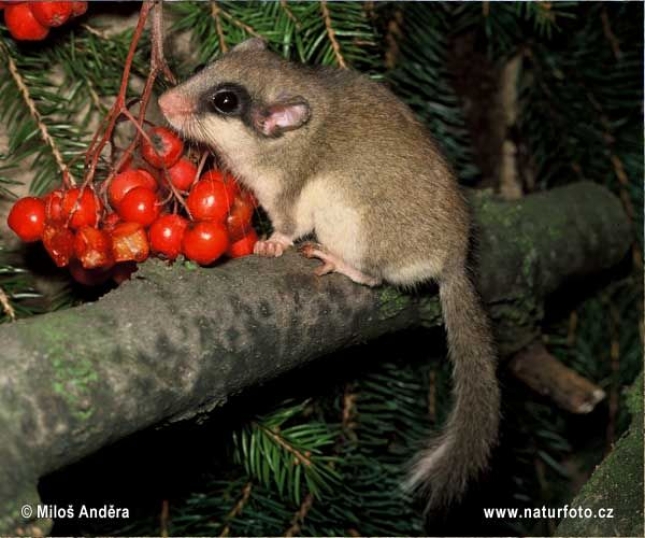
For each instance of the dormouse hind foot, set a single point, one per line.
(333, 264)
(272, 247)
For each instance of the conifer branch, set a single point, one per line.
(285, 7)
(164, 518)
(95, 31)
(614, 365)
(609, 34)
(248, 29)
(6, 305)
(34, 113)
(619, 171)
(368, 6)
(349, 409)
(332, 34)
(432, 396)
(95, 96)
(215, 11)
(237, 509)
(299, 517)
(392, 37)
(279, 440)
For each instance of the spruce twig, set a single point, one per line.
(572, 328)
(6, 305)
(237, 509)
(392, 37)
(609, 34)
(304, 459)
(215, 11)
(35, 114)
(95, 31)
(614, 366)
(164, 518)
(285, 6)
(299, 517)
(332, 34)
(432, 396)
(248, 29)
(349, 410)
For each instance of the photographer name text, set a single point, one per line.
(53, 511)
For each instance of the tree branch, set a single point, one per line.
(615, 490)
(546, 375)
(175, 341)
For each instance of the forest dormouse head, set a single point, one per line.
(247, 97)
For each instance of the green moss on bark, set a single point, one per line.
(617, 484)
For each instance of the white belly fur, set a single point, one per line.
(337, 225)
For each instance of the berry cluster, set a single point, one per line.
(31, 21)
(137, 213)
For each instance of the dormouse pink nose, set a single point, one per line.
(173, 104)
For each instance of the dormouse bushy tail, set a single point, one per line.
(444, 469)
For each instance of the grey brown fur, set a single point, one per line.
(350, 162)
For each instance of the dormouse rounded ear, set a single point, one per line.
(254, 43)
(275, 119)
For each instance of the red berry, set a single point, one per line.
(130, 179)
(22, 24)
(238, 221)
(93, 248)
(232, 188)
(208, 200)
(110, 221)
(244, 246)
(165, 149)
(182, 174)
(54, 205)
(59, 243)
(89, 277)
(129, 242)
(78, 8)
(52, 13)
(204, 242)
(84, 207)
(27, 218)
(139, 205)
(166, 235)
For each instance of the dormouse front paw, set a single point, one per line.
(272, 247)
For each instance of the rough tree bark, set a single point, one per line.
(616, 485)
(174, 342)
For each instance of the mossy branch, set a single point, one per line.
(616, 486)
(176, 341)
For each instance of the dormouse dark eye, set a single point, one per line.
(226, 102)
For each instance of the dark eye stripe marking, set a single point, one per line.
(211, 101)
